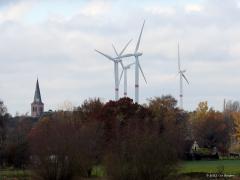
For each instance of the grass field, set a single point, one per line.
(204, 166)
(6, 174)
(230, 167)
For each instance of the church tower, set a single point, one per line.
(37, 107)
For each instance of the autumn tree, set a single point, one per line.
(89, 110)
(236, 120)
(150, 150)
(4, 116)
(210, 128)
(132, 141)
(4, 120)
(235, 133)
(62, 148)
(120, 119)
(232, 117)
(17, 147)
(170, 120)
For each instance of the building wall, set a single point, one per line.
(37, 109)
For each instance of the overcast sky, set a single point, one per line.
(55, 41)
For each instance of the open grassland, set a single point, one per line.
(13, 174)
(229, 167)
(216, 166)
(202, 166)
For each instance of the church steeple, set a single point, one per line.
(37, 107)
(37, 95)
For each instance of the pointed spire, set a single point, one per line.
(37, 95)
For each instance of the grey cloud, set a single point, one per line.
(61, 54)
(7, 2)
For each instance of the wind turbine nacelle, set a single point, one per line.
(128, 67)
(138, 54)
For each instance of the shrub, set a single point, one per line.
(203, 151)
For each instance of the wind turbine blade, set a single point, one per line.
(125, 47)
(124, 56)
(115, 50)
(122, 64)
(128, 66)
(107, 56)
(120, 77)
(131, 64)
(185, 78)
(142, 72)
(139, 38)
(179, 68)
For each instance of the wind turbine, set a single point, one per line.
(181, 74)
(124, 72)
(136, 54)
(116, 74)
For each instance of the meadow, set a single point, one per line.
(228, 167)
(16, 174)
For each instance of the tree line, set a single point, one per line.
(126, 139)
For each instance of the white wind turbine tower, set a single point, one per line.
(181, 74)
(136, 54)
(124, 72)
(116, 74)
